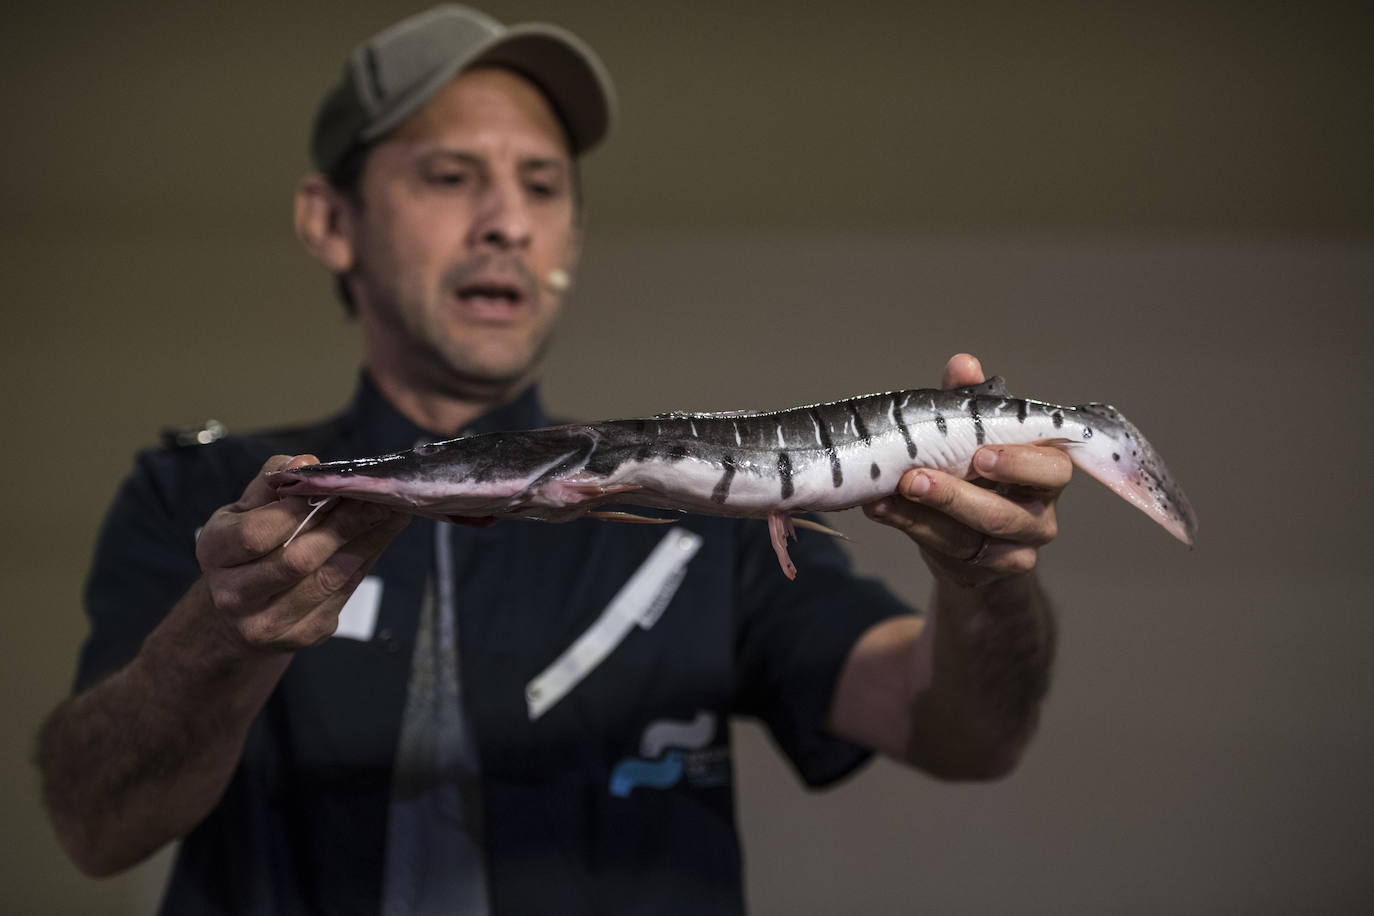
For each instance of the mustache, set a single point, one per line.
(462, 273)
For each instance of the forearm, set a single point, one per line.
(985, 668)
(958, 692)
(141, 757)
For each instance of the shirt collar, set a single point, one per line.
(380, 427)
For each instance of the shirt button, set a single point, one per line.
(387, 640)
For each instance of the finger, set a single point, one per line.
(929, 528)
(248, 586)
(235, 536)
(260, 491)
(257, 523)
(971, 555)
(1025, 520)
(330, 585)
(308, 613)
(961, 370)
(1041, 467)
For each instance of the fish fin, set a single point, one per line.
(631, 517)
(809, 525)
(715, 415)
(1058, 442)
(994, 387)
(593, 489)
(779, 529)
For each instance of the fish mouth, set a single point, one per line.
(361, 474)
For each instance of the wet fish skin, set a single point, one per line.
(820, 457)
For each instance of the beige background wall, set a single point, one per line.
(1165, 206)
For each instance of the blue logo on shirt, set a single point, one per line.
(652, 774)
(671, 750)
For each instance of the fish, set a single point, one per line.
(753, 464)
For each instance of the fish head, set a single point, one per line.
(473, 476)
(1114, 452)
(383, 478)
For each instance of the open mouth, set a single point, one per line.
(491, 298)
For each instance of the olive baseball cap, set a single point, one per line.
(391, 75)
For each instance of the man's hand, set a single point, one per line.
(974, 532)
(275, 595)
(957, 692)
(168, 728)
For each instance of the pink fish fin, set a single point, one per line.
(630, 517)
(319, 503)
(1059, 442)
(817, 526)
(780, 528)
(583, 493)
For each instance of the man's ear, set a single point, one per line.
(324, 223)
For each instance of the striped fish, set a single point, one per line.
(823, 457)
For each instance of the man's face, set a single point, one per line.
(464, 212)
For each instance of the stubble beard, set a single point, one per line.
(463, 374)
(429, 354)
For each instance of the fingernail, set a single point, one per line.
(878, 509)
(985, 460)
(920, 485)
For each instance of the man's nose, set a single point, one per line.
(503, 220)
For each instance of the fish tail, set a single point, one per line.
(1113, 452)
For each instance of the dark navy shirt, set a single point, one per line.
(617, 798)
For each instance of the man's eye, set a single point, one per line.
(448, 178)
(542, 190)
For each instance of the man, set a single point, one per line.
(348, 713)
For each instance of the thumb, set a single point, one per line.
(962, 369)
(261, 490)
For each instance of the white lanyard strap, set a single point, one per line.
(640, 601)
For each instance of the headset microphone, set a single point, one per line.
(557, 280)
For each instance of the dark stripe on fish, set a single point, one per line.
(941, 425)
(874, 472)
(785, 473)
(901, 425)
(836, 473)
(1058, 418)
(978, 435)
(859, 426)
(1020, 410)
(722, 489)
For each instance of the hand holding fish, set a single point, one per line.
(957, 692)
(278, 581)
(981, 530)
(168, 729)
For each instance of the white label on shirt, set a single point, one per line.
(358, 618)
(640, 601)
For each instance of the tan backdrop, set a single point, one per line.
(1165, 206)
